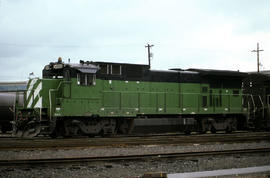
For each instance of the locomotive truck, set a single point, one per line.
(103, 98)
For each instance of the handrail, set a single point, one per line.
(253, 102)
(40, 110)
(262, 105)
(261, 100)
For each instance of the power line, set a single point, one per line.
(258, 58)
(148, 46)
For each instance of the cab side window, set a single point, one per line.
(116, 70)
(111, 69)
(86, 79)
(104, 69)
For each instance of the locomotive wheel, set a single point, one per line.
(91, 135)
(228, 129)
(126, 126)
(17, 133)
(56, 133)
(213, 130)
(4, 129)
(59, 130)
(202, 132)
(187, 132)
(101, 133)
(53, 134)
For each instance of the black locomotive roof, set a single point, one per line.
(212, 72)
(142, 72)
(57, 68)
(175, 71)
(259, 77)
(219, 72)
(116, 63)
(84, 68)
(262, 73)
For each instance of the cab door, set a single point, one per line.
(217, 100)
(204, 98)
(66, 84)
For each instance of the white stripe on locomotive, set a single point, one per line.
(36, 93)
(39, 102)
(37, 90)
(31, 85)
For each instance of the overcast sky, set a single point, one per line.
(212, 34)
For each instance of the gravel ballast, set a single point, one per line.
(132, 168)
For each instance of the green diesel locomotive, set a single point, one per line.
(100, 98)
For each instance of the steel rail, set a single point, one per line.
(23, 162)
(42, 144)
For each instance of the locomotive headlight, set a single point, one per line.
(47, 67)
(58, 66)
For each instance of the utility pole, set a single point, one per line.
(258, 58)
(148, 46)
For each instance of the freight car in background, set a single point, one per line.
(97, 98)
(10, 92)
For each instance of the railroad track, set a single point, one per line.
(182, 155)
(45, 143)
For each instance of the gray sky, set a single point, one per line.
(216, 34)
